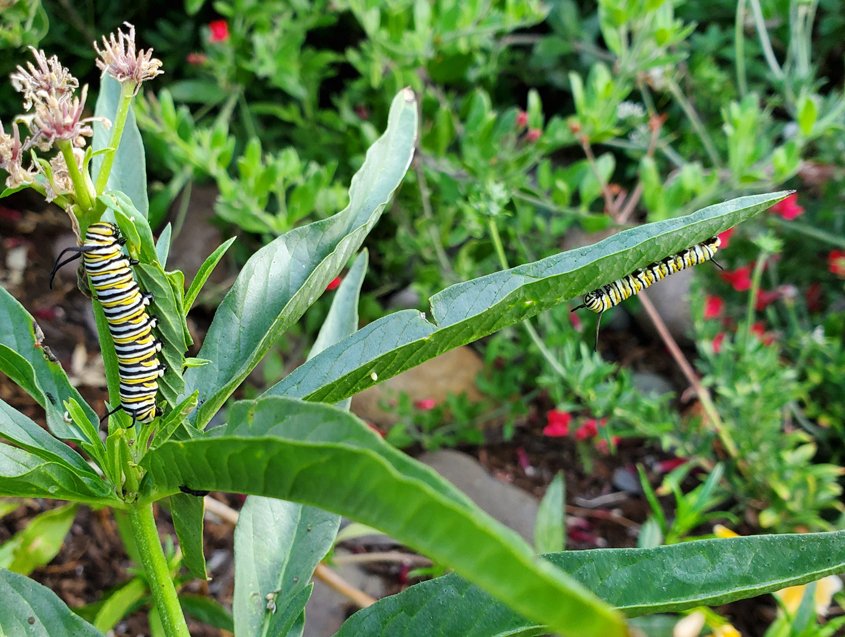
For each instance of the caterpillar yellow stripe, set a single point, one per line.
(603, 298)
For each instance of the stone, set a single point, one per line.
(650, 384)
(510, 505)
(453, 372)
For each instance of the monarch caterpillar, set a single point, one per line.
(602, 299)
(130, 326)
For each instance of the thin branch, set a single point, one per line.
(382, 556)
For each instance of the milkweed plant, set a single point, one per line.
(298, 453)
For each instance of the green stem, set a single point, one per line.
(532, 333)
(156, 570)
(80, 184)
(127, 92)
(689, 111)
(763, 34)
(739, 48)
(756, 277)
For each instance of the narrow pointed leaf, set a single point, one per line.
(25, 433)
(468, 311)
(47, 382)
(278, 545)
(320, 456)
(204, 272)
(285, 277)
(637, 581)
(120, 603)
(23, 474)
(129, 170)
(40, 541)
(187, 512)
(28, 608)
(300, 536)
(163, 245)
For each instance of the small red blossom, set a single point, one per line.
(533, 135)
(219, 30)
(576, 321)
(521, 120)
(717, 342)
(589, 429)
(740, 279)
(759, 330)
(713, 306)
(603, 447)
(788, 209)
(813, 296)
(425, 404)
(665, 466)
(334, 284)
(765, 298)
(374, 428)
(362, 112)
(725, 238)
(836, 262)
(196, 58)
(8, 214)
(557, 424)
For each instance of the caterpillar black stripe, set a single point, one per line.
(125, 308)
(602, 299)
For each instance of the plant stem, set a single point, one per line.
(156, 570)
(127, 92)
(763, 34)
(80, 184)
(695, 120)
(434, 233)
(688, 371)
(532, 333)
(739, 48)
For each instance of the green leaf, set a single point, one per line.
(207, 610)
(280, 281)
(277, 547)
(39, 542)
(24, 474)
(24, 359)
(129, 171)
(120, 603)
(637, 581)
(321, 456)
(163, 245)
(550, 528)
(468, 311)
(166, 289)
(187, 512)
(28, 608)
(204, 272)
(25, 433)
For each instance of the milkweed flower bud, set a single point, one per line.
(11, 158)
(119, 58)
(47, 77)
(58, 119)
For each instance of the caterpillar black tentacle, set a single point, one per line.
(602, 299)
(125, 309)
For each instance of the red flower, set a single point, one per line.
(589, 429)
(740, 279)
(813, 296)
(533, 135)
(425, 404)
(557, 424)
(576, 321)
(765, 298)
(759, 330)
(602, 446)
(665, 466)
(836, 262)
(334, 284)
(788, 208)
(523, 460)
(725, 237)
(713, 306)
(219, 30)
(717, 342)
(196, 58)
(521, 119)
